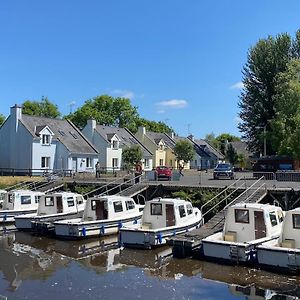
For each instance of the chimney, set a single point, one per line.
(92, 124)
(172, 135)
(16, 115)
(142, 130)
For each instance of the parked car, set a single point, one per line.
(163, 172)
(223, 170)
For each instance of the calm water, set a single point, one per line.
(40, 268)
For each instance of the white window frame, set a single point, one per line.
(46, 162)
(115, 145)
(46, 139)
(89, 162)
(146, 162)
(115, 159)
(161, 162)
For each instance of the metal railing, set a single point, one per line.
(33, 172)
(223, 192)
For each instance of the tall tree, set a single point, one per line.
(154, 126)
(2, 119)
(286, 124)
(225, 138)
(106, 110)
(43, 108)
(266, 60)
(231, 154)
(184, 151)
(132, 155)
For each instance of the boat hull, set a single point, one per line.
(8, 216)
(147, 239)
(81, 230)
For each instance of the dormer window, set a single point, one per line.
(161, 147)
(115, 144)
(46, 139)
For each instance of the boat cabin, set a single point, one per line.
(21, 200)
(108, 207)
(167, 212)
(290, 236)
(2, 196)
(57, 203)
(248, 222)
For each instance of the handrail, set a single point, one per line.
(135, 184)
(256, 191)
(213, 198)
(245, 191)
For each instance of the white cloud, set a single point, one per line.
(173, 103)
(123, 93)
(237, 86)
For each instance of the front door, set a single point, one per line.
(260, 226)
(59, 205)
(170, 217)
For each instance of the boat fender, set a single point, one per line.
(4, 217)
(102, 229)
(135, 221)
(174, 233)
(187, 230)
(83, 231)
(120, 225)
(159, 237)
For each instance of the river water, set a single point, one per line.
(33, 267)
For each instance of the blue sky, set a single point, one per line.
(179, 61)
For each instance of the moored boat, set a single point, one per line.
(19, 202)
(102, 216)
(2, 197)
(284, 253)
(162, 218)
(52, 207)
(246, 226)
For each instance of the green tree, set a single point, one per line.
(43, 108)
(286, 124)
(212, 140)
(266, 60)
(225, 138)
(231, 154)
(106, 110)
(153, 125)
(131, 156)
(2, 119)
(184, 151)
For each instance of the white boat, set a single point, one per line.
(283, 253)
(246, 226)
(162, 218)
(2, 197)
(52, 207)
(102, 216)
(19, 202)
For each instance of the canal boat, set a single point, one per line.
(102, 216)
(162, 218)
(19, 202)
(283, 253)
(2, 197)
(246, 226)
(52, 207)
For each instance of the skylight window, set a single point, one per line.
(74, 135)
(61, 132)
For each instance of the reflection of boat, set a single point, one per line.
(102, 216)
(283, 253)
(18, 203)
(162, 218)
(52, 207)
(246, 226)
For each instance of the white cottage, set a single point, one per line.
(37, 144)
(110, 142)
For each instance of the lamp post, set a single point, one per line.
(265, 140)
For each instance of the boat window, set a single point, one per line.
(49, 201)
(26, 199)
(10, 198)
(156, 209)
(181, 211)
(37, 199)
(189, 209)
(273, 218)
(130, 205)
(280, 216)
(93, 204)
(118, 206)
(296, 221)
(241, 215)
(70, 201)
(79, 200)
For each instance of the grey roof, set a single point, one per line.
(127, 139)
(199, 149)
(209, 148)
(241, 148)
(64, 131)
(156, 137)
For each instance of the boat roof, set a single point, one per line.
(266, 207)
(26, 192)
(110, 197)
(295, 210)
(63, 194)
(169, 200)
(3, 191)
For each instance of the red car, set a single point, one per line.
(163, 172)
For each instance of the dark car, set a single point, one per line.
(163, 172)
(223, 170)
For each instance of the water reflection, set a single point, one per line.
(24, 257)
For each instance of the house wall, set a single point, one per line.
(113, 153)
(39, 151)
(150, 165)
